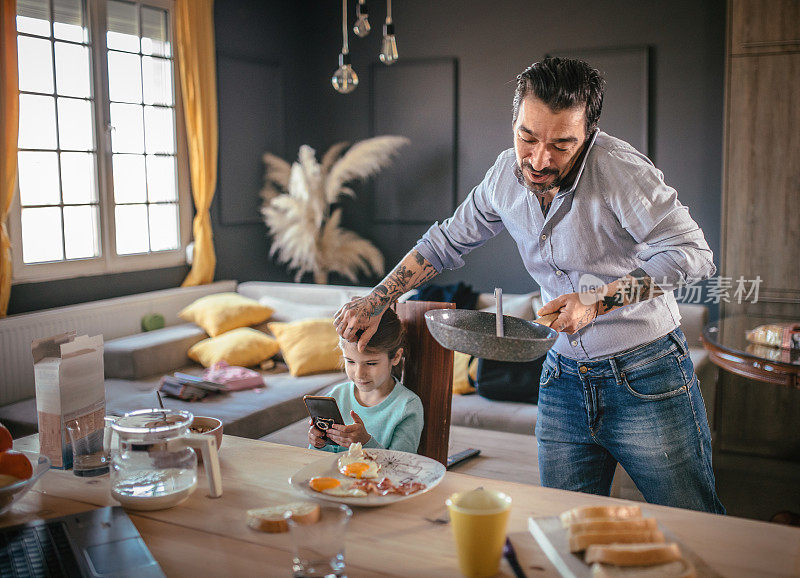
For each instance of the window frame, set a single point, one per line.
(108, 261)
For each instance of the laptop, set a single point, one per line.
(102, 542)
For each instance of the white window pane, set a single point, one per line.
(132, 235)
(72, 70)
(75, 125)
(129, 179)
(38, 178)
(35, 64)
(78, 178)
(81, 232)
(155, 39)
(124, 77)
(159, 130)
(33, 17)
(68, 20)
(161, 179)
(123, 26)
(37, 122)
(157, 74)
(127, 135)
(41, 235)
(164, 227)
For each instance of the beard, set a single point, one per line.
(536, 188)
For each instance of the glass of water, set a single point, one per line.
(88, 456)
(319, 547)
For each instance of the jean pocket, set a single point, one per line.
(547, 374)
(660, 379)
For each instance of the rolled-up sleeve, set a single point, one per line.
(674, 250)
(474, 222)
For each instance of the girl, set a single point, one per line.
(385, 413)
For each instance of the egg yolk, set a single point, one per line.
(322, 484)
(356, 469)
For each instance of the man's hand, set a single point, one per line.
(358, 320)
(315, 436)
(576, 310)
(344, 435)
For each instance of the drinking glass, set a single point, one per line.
(319, 547)
(88, 456)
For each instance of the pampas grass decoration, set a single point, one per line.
(307, 235)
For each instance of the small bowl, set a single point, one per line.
(12, 493)
(207, 422)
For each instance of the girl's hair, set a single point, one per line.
(389, 338)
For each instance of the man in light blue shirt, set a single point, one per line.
(607, 241)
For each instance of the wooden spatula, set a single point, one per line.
(548, 319)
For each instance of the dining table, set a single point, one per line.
(206, 536)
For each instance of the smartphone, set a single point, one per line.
(324, 412)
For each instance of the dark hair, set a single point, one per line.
(562, 83)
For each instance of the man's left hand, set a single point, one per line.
(576, 310)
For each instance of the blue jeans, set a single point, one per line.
(641, 408)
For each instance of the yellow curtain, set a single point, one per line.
(197, 67)
(9, 129)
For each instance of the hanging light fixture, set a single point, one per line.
(361, 28)
(388, 45)
(345, 79)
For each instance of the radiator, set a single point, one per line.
(110, 318)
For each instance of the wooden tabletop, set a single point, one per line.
(208, 537)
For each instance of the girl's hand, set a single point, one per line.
(344, 435)
(315, 436)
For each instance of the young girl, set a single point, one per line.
(385, 413)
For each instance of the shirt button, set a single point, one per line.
(544, 237)
(583, 368)
(558, 273)
(574, 344)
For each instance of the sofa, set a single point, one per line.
(136, 360)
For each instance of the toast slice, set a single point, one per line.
(272, 518)
(633, 554)
(580, 542)
(584, 513)
(677, 569)
(613, 525)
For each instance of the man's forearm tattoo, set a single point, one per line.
(635, 287)
(402, 279)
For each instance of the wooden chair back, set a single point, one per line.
(428, 372)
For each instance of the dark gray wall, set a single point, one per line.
(297, 43)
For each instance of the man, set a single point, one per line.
(607, 241)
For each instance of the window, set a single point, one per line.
(99, 138)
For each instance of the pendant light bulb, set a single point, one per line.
(361, 28)
(345, 79)
(389, 45)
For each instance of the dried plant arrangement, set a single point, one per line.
(299, 208)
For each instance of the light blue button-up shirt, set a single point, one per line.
(617, 216)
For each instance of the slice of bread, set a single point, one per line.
(677, 569)
(271, 519)
(633, 554)
(579, 542)
(583, 513)
(613, 525)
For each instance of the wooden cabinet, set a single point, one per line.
(761, 26)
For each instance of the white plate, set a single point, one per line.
(397, 466)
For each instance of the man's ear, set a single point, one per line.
(397, 357)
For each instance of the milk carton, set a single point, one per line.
(69, 386)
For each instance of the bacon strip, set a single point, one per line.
(385, 487)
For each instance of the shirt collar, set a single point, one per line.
(585, 155)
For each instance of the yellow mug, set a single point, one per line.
(479, 519)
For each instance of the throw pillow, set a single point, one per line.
(462, 371)
(243, 346)
(222, 312)
(308, 346)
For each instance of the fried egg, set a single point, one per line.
(357, 464)
(334, 487)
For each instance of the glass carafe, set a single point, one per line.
(155, 465)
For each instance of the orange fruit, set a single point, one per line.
(15, 464)
(6, 441)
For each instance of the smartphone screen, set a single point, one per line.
(323, 411)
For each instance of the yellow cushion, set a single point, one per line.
(308, 346)
(461, 368)
(244, 346)
(222, 312)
